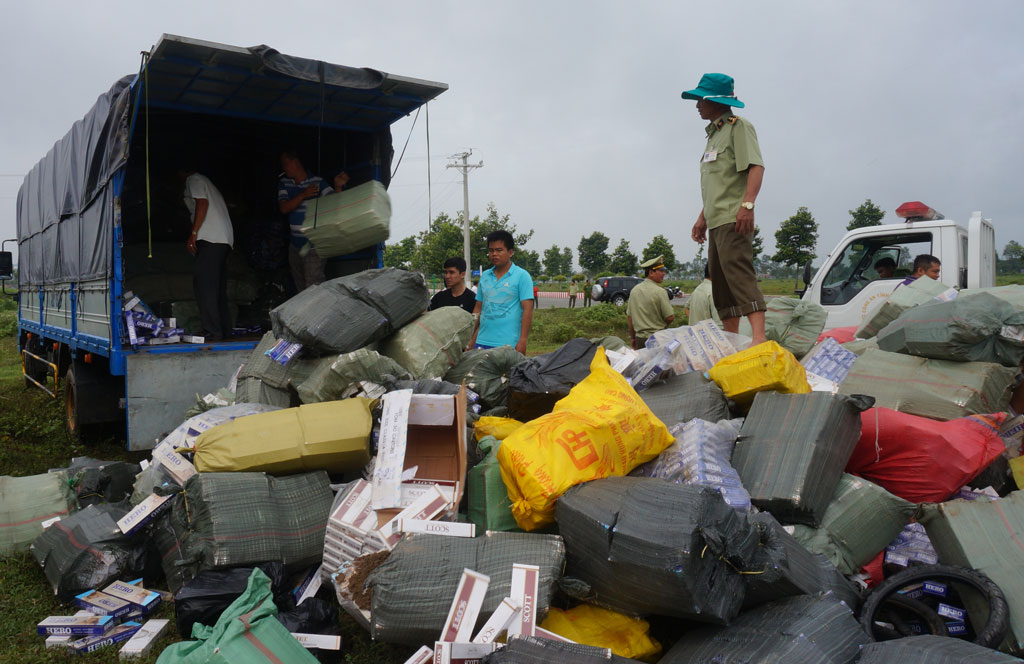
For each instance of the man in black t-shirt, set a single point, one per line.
(456, 294)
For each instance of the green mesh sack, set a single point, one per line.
(330, 379)
(486, 372)
(25, 502)
(431, 345)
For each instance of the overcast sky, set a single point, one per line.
(574, 107)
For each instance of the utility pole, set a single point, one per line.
(464, 168)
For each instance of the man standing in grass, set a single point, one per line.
(587, 287)
(573, 291)
(648, 309)
(505, 299)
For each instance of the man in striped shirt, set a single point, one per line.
(294, 188)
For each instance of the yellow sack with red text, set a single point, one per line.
(499, 427)
(601, 628)
(601, 429)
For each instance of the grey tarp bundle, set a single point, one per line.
(343, 314)
(87, 550)
(536, 650)
(683, 397)
(330, 379)
(783, 568)
(231, 519)
(66, 203)
(808, 628)
(25, 502)
(647, 546)
(413, 588)
(793, 448)
(978, 328)
(260, 365)
(939, 389)
(931, 649)
(347, 221)
(984, 535)
(254, 390)
(919, 291)
(432, 344)
(794, 323)
(859, 522)
(860, 346)
(610, 342)
(486, 371)
(537, 383)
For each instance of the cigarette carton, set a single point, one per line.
(447, 528)
(446, 652)
(143, 513)
(525, 582)
(506, 612)
(465, 608)
(422, 656)
(318, 641)
(76, 625)
(142, 641)
(117, 634)
(193, 339)
(176, 465)
(102, 604)
(550, 636)
(140, 598)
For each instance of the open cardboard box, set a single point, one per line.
(435, 443)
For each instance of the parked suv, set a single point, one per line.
(614, 289)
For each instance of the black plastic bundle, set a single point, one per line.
(647, 546)
(533, 650)
(537, 383)
(87, 550)
(486, 372)
(681, 398)
(98, 481)
(808, 628)
(793, 448)
(931, 649)
(341, 315)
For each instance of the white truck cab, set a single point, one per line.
(848, 285)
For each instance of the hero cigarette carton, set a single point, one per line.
(140, 598)
(102, 604)
(76, 625)
(118, 634)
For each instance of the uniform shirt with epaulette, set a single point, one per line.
(648, 307)
(732, 148)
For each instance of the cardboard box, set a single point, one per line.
(437, 451)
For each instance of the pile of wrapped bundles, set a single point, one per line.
(697, 500)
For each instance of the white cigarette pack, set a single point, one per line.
(469, 597)
(318, 641)
(143, 513)
(193, 339)
(550, 636)
(142, 641)
(446, 652)
(422, 656)
(429, 505)
(506, 612)
(176, 465)
(448, 528)
(525, 582)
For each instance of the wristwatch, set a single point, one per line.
(749, 205)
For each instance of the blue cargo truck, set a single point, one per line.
(101, 218)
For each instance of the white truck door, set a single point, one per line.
(864, 270)
(981, 252)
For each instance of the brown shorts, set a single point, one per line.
(733, 280)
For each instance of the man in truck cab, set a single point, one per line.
(731, 170)
(885, 267)
(295, 186)
(925, 265)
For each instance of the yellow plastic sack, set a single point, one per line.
(760, 368)
(499, 427)
(1017, 466)
(332, 436)
(594, 626)
(602, 428)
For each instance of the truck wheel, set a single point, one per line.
(619, 300)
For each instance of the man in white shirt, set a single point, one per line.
(210, 242)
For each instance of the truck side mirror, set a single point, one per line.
(807, 274)
(6, 266)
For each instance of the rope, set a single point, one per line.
(144, 70)
(416, 117)
(878, 449)
(430, 211)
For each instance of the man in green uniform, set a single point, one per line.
(731, 170)
(648, 309)
(701, 305)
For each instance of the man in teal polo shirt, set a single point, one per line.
(504, 298)
(731, 170)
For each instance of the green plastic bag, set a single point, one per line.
(247, 631)
(432, 344)
(489, 506)
(25, 502)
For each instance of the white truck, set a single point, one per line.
(847, 285)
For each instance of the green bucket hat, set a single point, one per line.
(715, 87)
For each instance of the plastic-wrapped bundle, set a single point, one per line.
(488, 504)
(859, 522)
(432, 344)
(784, 568)
(260, 365)
(652, 364)
(232, 519)
(919, 291)
(938, 389)
(538, 382)
(979, 328)
(699, 346)
(644, 546)
(700, 456)
(87, 550)
(413, 588)
(96, 481)
(535, 650)
(341, 315)
(205, 597)
(808, 628)
(681, 398)
(255, 391)
(25, 502)
(486, 372)
(911, 546)
(794, 323)
(931, 649)
(347, 221)
(760, 368)
(331, 379)
(860, 346)
(792, 451)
